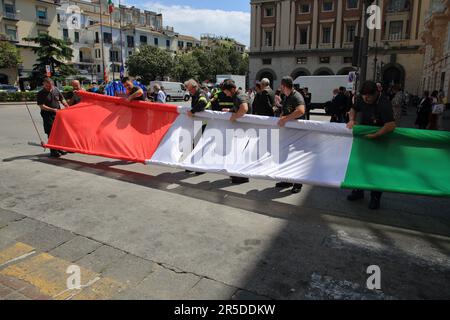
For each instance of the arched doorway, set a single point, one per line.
(3, 78)
(266, 73)
(345, 71)
(323, 72)
(300, 72)
(393, 73)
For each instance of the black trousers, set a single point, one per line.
(48, 119)
(373, 194)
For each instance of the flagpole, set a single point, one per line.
(112, 42)
(102, 42)
(121, 42)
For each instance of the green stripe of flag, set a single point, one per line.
(405, 161)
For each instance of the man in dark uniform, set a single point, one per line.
(293, 108)
(199, 100)
(239, 109)
(134, 93)
(375, 109)
(220, 100)
(48, 100)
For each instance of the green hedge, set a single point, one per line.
(17, 96)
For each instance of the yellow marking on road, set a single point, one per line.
(15, 252)
(48, 274)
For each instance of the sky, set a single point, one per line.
(223, 18)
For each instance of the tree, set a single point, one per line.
(186, 67)
(9, 55)
(53, 52)
(150, 63)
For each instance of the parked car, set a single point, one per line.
(8, 88)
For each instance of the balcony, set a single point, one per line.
(43, 21)
(11, 16)
(86, 60)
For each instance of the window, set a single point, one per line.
(91, 23)
(97, 39)
(303, 34)
(398, 5)
(180, 44)
(348, 59)
(107, 37)
(58, 18)
(9, 8)
(324, 59)
(11, 32)
(304, 8)
(114, 56)
(326, 35)
(350, 34)
(77, 37)
(396, 30)
(41, 13)
(142, 20)
(115, 68)
(98, 54)
(156, 41)
(98, 68)
(269, 12)
(168, 43)
(130, 41)
(302, 60)
(143, 39)
(189, 45)
(448, 38)
(266, 61)
(66, 34)
(268, 38)
(352, 4)
(327, 5)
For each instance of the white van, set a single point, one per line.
(173, 90)
(321, 87)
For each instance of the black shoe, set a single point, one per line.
(54, 154)
(239, 180)
(374, 203)
(297, 188)
(199, 173)
(188, 171)
(356, 195)
(61, 152)
(284, 185)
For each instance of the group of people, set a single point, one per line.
(372, 107)
(430, 110)
(369, 107)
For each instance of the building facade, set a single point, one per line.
(26, 18)
(315, 37)
(436, 69)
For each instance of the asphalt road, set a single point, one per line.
(151, 232)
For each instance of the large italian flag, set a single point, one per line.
(309, 152)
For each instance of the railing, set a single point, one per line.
(43, 21)
(11, 16)
(87, 60)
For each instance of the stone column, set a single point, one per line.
(315, 24)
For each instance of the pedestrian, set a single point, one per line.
(375, 110)
(266, 101)
(339, 106)
(49, 99)
(437, 110)
(158, 93)
(292, 108)
(239, 109)
(424, 111)
(256, 102)
(308, 98)
(398, 101)
(134, 93)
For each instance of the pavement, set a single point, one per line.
(131, 231)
